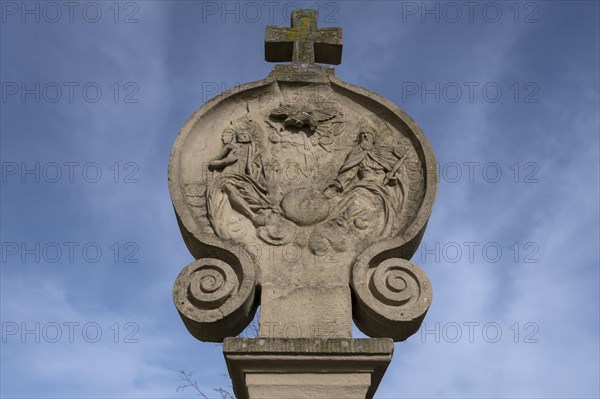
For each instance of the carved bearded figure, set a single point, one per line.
(366, 195)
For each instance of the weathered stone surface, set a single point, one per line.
(308, 385)
(314, 368)
(320, 311)
(215, 299)
(391, 297)
(305, 206)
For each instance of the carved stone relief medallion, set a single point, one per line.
(326, 168)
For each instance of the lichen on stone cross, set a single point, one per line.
(303, 43)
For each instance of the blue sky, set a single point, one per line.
(93, 96)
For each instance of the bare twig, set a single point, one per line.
(186, 377)
(189, 383)
(224, 393)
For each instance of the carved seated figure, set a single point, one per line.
(366, 196)
(240, 194)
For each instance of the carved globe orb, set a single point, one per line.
(305, 206)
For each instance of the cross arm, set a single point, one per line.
(279, 44)
(328, 46)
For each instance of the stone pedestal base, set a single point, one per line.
(275, 368)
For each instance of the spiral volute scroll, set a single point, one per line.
(215, 299)
(391, 297)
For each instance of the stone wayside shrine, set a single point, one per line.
(305, 195)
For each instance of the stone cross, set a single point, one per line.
(305, 195)
(303, 43)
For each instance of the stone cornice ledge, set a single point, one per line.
(313, 359)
